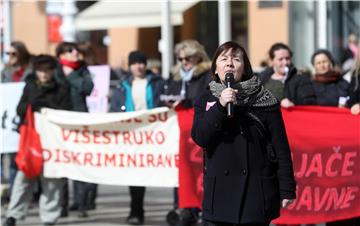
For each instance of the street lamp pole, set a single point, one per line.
(224, 21)
(67, 28)
(166, 42)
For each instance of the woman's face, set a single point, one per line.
(230, 62)
(282, 59)
(13, 56)
(187, 62)
(72, 54)
(322, 64)
(44, 75)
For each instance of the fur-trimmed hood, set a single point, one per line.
(200, 68)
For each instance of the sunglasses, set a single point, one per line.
(11, 53)
(184, 58)
(71, 50)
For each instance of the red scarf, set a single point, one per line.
(17, 75)
(72, 64)
(328, 77)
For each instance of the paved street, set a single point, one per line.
(112, 209)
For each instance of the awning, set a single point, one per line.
(129, 13)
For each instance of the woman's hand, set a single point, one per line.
(355, 109)
(286, 202)
(227, 95)
(286, 103)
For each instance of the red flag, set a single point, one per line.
(190, 163)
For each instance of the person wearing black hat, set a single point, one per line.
(139, 90)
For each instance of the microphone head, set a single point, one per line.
(229, 77)
(286, 70)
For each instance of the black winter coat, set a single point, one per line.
(297, 87)
(241, 182)
(328, 94)
(55, 95)
(354, 91)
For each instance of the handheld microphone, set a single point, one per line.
(286, 70)
(229, 80)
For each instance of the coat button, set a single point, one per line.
(123, 108)
(244, 172)
(226, 172)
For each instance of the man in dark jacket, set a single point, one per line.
(138, 91)
(283, 80)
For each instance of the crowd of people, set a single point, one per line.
(63, 82)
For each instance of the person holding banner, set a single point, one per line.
(138, 91)
(41, 90)
(248, 171)
(288, 85)
(74, 72)
(16, 70)
(329, 86)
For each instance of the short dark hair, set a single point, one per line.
(44, 62)
(64, 47)
(325, 52)
(248, 72)
(278, 46)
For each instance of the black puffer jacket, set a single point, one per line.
(297, 88)
(53, 95)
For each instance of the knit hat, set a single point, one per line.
(137, 57)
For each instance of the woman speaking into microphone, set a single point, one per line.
(248, 172)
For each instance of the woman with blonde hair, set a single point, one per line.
(189, 76)
(188, 79)
(354, 101)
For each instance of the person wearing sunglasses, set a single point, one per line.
(189, 76)
(74, 72)
(18, 66)
(17, 69)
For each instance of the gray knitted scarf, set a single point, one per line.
(250, 93)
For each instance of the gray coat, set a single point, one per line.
(81, 85)
(6, 74)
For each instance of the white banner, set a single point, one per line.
(97, 102)
(133, 148)
(10, 95)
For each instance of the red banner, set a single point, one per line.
(325, 145)
(190, 163)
